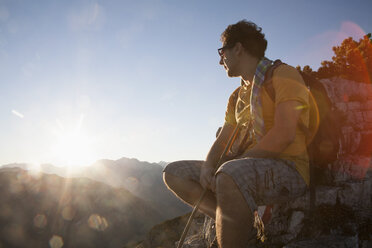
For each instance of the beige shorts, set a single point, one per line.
(261, 181)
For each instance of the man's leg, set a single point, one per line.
(182, 178)
(190, 191)
(234, 219)
(242, 184)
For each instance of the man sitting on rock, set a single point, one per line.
(268, 159)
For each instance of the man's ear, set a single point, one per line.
(238, 48)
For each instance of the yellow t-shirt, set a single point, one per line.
(288, 85)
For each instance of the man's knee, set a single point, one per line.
(224, 183)
(176, 183)
(168, 176)
(169, 179)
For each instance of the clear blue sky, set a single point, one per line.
(85, 80)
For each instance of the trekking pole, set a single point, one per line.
(220, 161)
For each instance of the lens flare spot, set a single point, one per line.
(97, 222)
(16, 113)
(132, 180)
(68, 213)
(131, 183)
(300, 107)
(40, 221)
(56, 242)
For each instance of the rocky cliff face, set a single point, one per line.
(354, 100)
(343, 207)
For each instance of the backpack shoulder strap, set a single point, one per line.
(268, 84)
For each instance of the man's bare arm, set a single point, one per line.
(219, 145)
(282, 134)
(214, 154)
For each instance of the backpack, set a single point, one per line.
(323, 135)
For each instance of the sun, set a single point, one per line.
(72, 147)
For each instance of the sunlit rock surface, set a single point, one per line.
(343, 213)
(41, 210)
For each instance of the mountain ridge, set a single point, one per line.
(37, 209)
(141, 178)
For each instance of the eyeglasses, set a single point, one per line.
(221, 51)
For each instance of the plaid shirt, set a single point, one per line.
(255, 98)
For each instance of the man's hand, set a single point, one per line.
(207, 179)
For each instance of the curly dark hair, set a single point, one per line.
(248, 34)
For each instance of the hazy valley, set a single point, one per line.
(108, 204)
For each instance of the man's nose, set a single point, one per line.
(221, 60)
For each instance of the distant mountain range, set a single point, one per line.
(142, 179)
(43, 210)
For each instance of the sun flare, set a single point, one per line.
(72, 147)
